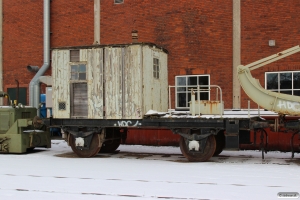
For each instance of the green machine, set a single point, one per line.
(21, 129)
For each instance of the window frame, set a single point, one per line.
(187, 91)
(156, 68)
(279, 89)
(78, 71)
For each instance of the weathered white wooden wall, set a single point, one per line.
(113, 82)
(155, 94)
(60, 87)
(133, 94)
(95, 83)
(121, 83)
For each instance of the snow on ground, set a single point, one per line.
(143, 172)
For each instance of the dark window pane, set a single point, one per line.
(74, 76)
(192, 80)
(181, 101)
(285, 80)
(82, 76)
(204, 96)
(203, 80)
(181, 80)
(180, 89)
(286, 92)
(22, 95)
(296, 77)
(74, 68)
(189, 97)
(272, 81)
(296, 92)
(82, 68)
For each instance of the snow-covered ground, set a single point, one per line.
(143, 172)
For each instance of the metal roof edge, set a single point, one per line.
(112, 45)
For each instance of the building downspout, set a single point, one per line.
(34, 86)
(96, 22)
(236, 88)
(1, 58)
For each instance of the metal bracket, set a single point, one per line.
(192, 136)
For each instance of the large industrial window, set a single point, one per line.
(21, 97)
(287, 82)
(184, 85)
(156, 68)
(78, 71)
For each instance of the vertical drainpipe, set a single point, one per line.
(96, 21)
(34, 86)
(236, 89)
(1, 59)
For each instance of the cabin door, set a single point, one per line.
(79, 101)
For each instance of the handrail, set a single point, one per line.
(198, 90)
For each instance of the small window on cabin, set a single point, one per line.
(74, 56)
(78, 72)
(156, 68)
(119, 1)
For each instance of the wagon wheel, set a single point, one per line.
(110, 146)
(220, 143)
(208, 152)
(86, 153)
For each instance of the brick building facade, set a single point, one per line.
(197, 34)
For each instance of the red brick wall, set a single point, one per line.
(72, 24)
(197, 34)
(269, 20)
(22, 40)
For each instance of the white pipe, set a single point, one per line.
(236, 37)
(96, 21)
(193, 102)
(198, 97)
(34, 86)
(248, 108)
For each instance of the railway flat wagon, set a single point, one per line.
(99, 92)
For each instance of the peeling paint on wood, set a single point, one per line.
(120, 81)
(60, 87)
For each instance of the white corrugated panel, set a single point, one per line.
(60, 87)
